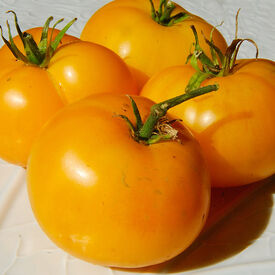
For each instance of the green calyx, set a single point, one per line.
(36, 54)
(219, 64)
(163, 15)
(156, 127)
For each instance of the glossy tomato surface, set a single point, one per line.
(105, 198)
(127, 28)
(235, 125)
(83, 68)
(30, 95)
(28, 98)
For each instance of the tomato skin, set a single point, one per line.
(235, 125)
(27, 100)
(126, 27)
(110, 200)
(76, 70)
(84, 68)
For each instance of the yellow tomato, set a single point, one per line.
(27, 99)
(235, 125)
(127, 28)
(30, 95)
(83, 68)
(109, 199)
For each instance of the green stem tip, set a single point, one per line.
(163, 15)
(35, 54)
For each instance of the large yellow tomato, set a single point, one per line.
(234, 126)
(31, 93)
(108, 199)
(148, 44)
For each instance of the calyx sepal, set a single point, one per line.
(219, 64)
(36, 54)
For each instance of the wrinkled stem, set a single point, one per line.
(220, 64)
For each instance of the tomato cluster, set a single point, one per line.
(114, 179)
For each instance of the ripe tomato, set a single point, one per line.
(109, 199)
(83, 68)
(234, 126)
(29, 94)
(127, 28)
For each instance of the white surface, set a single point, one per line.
(24, 248)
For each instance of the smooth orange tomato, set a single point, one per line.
(108, 199)
(83, 68)
(30, 95)
(235, 125)
(127, 28)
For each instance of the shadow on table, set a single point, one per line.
(238, 216)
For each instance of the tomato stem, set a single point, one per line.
(220, 64)
(160, 109)
(163, 15)
(36, 54)
(146, 132)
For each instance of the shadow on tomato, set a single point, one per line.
(238, 216)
